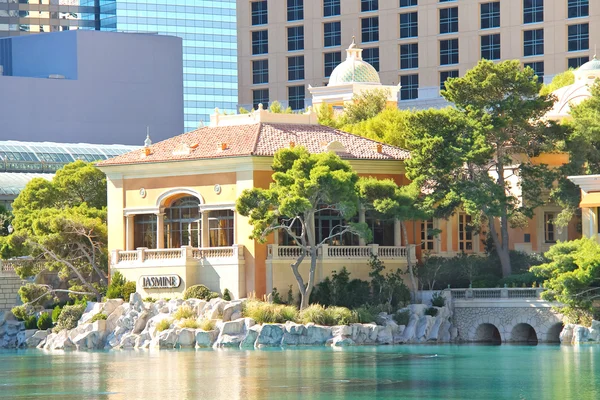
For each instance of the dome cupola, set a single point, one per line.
(354, 69)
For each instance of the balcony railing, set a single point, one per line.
(497, 293)
(9, 266)
(341, 252)
(142, 255)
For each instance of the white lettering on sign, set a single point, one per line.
(160, 281)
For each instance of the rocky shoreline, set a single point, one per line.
(133, 325)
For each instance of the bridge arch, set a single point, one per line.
(553, 334)
(524, 333)
(487, 333)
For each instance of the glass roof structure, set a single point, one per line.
(48, 157)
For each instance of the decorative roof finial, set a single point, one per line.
(148, 141)
(353, 44)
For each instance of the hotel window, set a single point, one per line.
(576, 62)
(409, 87)
(449, 52)
(145, 231)
(220, 228)
(370, 29)
(445, 1)
(490, 15)
(260, 96)
(295, 68)
(579, 37)
(408, 3)
(296, 96)
(465, 233)
(295, 38)
(260, 42)
(533, 43)
(578, 8)
(427, 238)
(284, 239)
(331, 8)
(444, 75)
(260, 71)
(331, 60)
(409, 56)
(183, 223)
(371, 55)
(382, 229)
(490, 47)
(449, 20)
(369, 5)
(533, 11)
(538, 68)
(295, 10)
(332, 34)
(329, 222)
(259, 13)
(549, 228)
(409, 25)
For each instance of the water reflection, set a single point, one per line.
(409, 372)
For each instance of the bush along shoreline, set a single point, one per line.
(219, 323)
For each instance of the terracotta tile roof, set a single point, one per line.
(259, 139)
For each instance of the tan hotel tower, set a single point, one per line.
(286, 45)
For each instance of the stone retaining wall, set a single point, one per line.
(9, 286)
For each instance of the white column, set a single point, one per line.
(130, 232)
(361, 219)
(397, 233)
(160, 230)
(205, 234)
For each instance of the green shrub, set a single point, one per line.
(56, 313)
(22, 312)
(226, 295)
(114, 292)
(69, 316)
(99, 317)
(207, 324)
(189, 323)
(438, 300)
(150, 300)
(276, 297)
(30, 322)
(402, 317)
(35, 294)
(197, 292)
(518, 280)
(129, 288)
(339, 290)
(431, 311)
(327, 316)
(44, 322)
(164, 324)
(267, 313)
(184, 312)
(363, 315)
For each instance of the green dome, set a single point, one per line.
(354, 69)
(593, 64)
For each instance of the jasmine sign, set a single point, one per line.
(160, 281)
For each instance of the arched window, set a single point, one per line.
(183, 223)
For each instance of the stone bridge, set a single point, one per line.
(504, 315)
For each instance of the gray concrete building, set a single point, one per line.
(91, 87)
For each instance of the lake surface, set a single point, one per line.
(384, 372)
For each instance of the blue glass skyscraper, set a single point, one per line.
(208, 30)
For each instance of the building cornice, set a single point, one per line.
(587, 183)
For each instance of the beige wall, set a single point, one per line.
(511, 31)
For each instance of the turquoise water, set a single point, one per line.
(384, 372)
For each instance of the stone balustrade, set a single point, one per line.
(143, 254)
(343, 252)
(9, 266)
(496, 293)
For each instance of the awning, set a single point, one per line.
(590, 200)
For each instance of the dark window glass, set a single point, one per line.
(183, 223)
(332, 34)
(371, 55)
(538, 68)
(295, 38)
(370, 29)
(295, 68)
(490, 15)
(409, 25)
(145, 231)
(449, 20)
(445, 1)
(409, 56)
(578, 8)
(331, 60)
(533, 42)
(328, 223)
(577, 62)
(260, 71)
(260, 42)
(381, 229)
(579, 37)
(295, 10)
(369, 5)
(427, 238)
(220, 228)
(259, 13)
(408, 3)
(490, 47)
(296, 97)
(449, 52)
(331, 8)
(444, 75)
(533, 11)
(260, 96)
(409, 87)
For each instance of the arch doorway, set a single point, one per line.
(553, 335)
(487, 333)
(524, 333)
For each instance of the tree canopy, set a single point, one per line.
(389, 126)
(365, 105)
